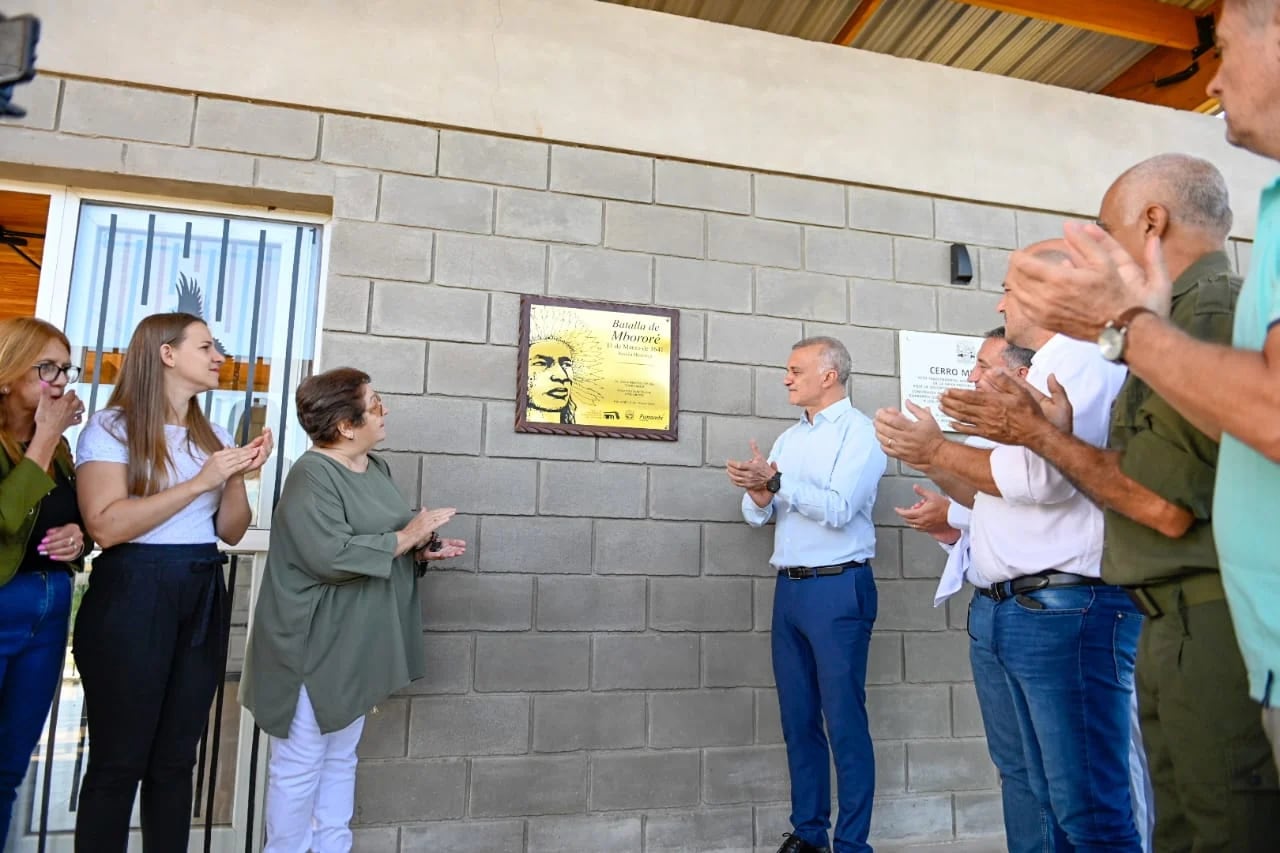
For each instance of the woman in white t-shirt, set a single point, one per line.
(158, 485)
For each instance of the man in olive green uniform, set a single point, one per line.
(1215, 784)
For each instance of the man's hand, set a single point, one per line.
(929, 514)
(1102, 282)
(1011, 411)
(753, 473)
(913, 442)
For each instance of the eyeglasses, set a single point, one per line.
(48, 371)
(376, 407)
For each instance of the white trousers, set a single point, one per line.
(311, 785)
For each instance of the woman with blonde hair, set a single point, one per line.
(159, 486)
(41, 540)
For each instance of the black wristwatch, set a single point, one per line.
(774, 483)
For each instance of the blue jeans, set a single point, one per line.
(1054, 675)
(821, 635)
(34, 608)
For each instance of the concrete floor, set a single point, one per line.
(994, 844)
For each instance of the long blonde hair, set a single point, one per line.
(139, 395)
(21, 341)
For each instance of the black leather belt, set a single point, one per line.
(799, 573)
(1031, 583)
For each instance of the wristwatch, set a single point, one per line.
(1114, 335)
(774, 483)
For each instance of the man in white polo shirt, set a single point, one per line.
(1052, 646)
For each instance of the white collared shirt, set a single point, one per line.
(959, 567)
(1043, 523)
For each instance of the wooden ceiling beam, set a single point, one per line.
(857, 21)
(1148, 21)
(1137, 82)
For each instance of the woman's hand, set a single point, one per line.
(224, 464)
(62, 544)
(55, 414)
(415, 534)
(262, 447)
(448, 549)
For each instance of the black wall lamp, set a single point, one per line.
(961, 264)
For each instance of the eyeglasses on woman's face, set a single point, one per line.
(376, 407)
(49, 371)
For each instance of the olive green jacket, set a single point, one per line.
(337, 611)
(22, 488)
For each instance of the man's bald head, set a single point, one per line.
(1192, 190)
(1053, 251)
(1018, 328)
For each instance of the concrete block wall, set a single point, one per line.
(599, 661)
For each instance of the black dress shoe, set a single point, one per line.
(794, 844)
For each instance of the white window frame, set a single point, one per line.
(51, 304)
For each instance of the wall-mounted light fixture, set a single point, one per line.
(961, 264)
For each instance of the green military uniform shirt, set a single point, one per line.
(1164, 452)
(337, 611)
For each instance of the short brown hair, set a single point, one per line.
(327, 399)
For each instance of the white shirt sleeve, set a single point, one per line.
(101, 440)
(1091, 383)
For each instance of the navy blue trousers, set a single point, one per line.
(821, 636)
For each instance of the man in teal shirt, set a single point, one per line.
(1232, 393)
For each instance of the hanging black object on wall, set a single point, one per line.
(961, 264)
(18, 37)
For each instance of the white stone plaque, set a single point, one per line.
(930, 364)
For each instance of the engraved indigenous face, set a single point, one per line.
(550, 375)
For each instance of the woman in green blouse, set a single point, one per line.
(42, 538)
(338, 625)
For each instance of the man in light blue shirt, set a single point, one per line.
(819, 485)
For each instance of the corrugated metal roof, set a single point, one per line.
(940, 31)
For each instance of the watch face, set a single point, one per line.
(1111, 342)
(774, 483)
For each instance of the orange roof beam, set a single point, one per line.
(857, 21)
(1183, 80)
(1148, 21)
